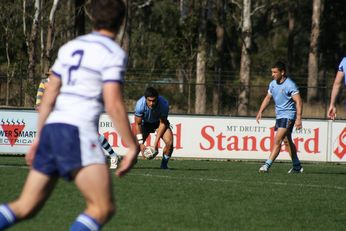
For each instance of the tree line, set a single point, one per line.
(202, 43)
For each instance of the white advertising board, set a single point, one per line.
(202, 137)
(17, 130)
(231, 138)
(338, 142)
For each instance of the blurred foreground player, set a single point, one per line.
(89, 70)
(113, 157)
(151, 114)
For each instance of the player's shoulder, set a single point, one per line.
(290, 81)
(163, 100)
(272, 83)
(291, 85)
(140, 102)
(140, 106)
(343, 63)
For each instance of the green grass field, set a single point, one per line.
(201, 195)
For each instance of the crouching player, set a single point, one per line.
(151, 114)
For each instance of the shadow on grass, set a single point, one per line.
(325, 173)
(172, 169)
(9, 165)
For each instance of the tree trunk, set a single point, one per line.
(8, 76)
(69, 34)
(180, 72)
(313, 52)
(29, 86)
(124, 35)
(200, 101)
(220, 34)
(79, 17)
(291, 34)
(50, 36)
(245, 61)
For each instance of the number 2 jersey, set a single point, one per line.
(84, 65)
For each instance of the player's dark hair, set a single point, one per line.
(280, 66)
(151, 92)
(107, 14)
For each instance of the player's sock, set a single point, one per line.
(296, 163)
(164, 161)
(105, 144)
(269, 163)
(7, 217)
(85, 222)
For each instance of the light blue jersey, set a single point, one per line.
(342, 68)
(282, 94)
(152, 115)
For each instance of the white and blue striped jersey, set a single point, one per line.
(152, 115)
(84, 65)
(342, 68)
(282, 94)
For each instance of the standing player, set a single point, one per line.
(113, 156)
(288, 109)
(89, 70)
(40, 90)
(151, 114)
(340, 76)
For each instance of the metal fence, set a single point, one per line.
(181, 94)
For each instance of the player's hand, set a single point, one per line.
(127, 162)
(298, 124)
(258, 117)
(141, 148)
(156, 151)
(332, 112)
(30, 155)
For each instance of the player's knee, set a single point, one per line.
(277, 142)
(169, 143)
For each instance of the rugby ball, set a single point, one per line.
(149, 153)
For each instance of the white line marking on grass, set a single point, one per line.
(216, 180)
(242, 182)
(12, 166)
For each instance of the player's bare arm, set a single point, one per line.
(115, 108)
(139, 133)
(335, 92)
(48, 101)
(160, 131)
(264, 104)
(299, 106)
